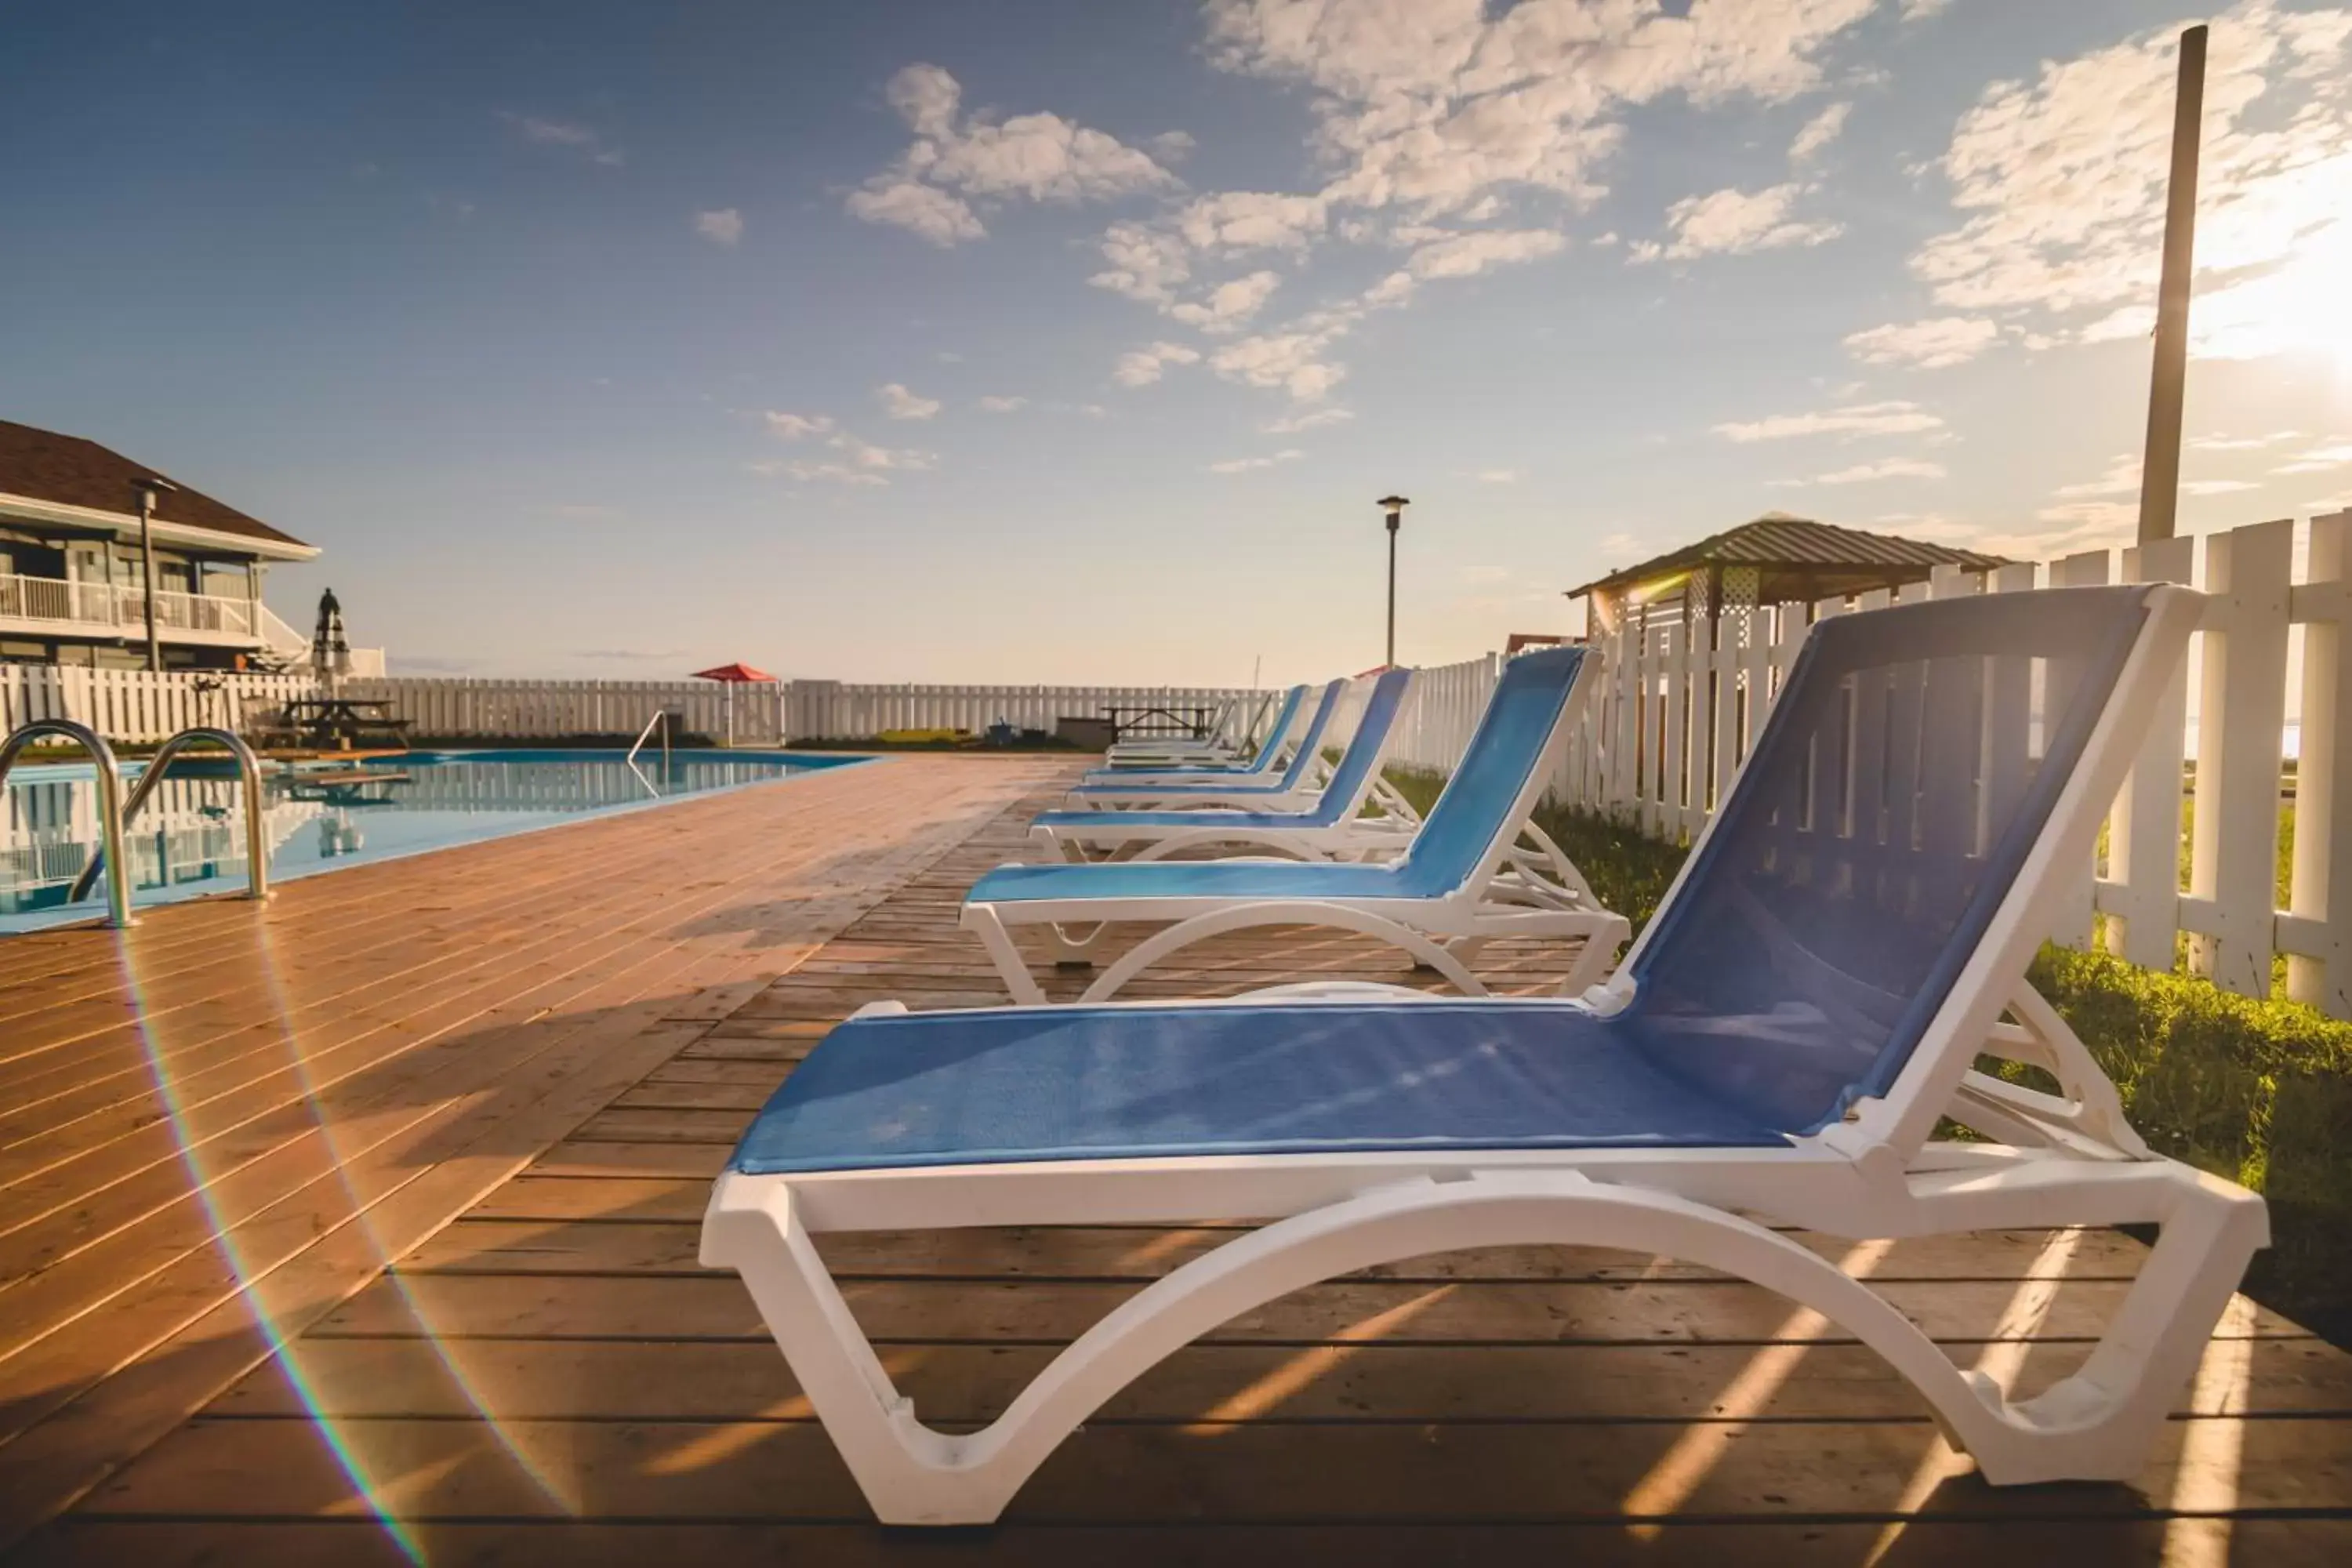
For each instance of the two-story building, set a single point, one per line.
(72, 576)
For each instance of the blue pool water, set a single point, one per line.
(189, 839)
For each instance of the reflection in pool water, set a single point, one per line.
(189, 839)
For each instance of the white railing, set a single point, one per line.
(1676, 710)
(115, 605)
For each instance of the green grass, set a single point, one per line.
(2260, 1092)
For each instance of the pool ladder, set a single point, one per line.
(115, 812)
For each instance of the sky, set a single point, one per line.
(1052, 340)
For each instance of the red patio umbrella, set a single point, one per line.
(732, 675)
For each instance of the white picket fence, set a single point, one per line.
(496, 709)
(136, 706)
(833, 709)
(1675, 714)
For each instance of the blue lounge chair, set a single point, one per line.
(1336, 824)
(1478, 869)
(1809, 1001)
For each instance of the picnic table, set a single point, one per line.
(345, 719)
(1190, 720)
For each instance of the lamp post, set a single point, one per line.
(1394, 506)
(149, 487)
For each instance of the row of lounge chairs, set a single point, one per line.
(1845, 949)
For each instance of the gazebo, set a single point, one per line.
(1777, 559)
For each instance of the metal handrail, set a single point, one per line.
(248, 773)
(661, 717)
(109, 805)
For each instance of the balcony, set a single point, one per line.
(50, 607)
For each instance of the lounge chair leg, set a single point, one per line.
(982, 922)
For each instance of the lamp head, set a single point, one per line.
(1394, 506)
(150, 485)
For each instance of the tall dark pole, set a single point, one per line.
(2159, 485)
(148, 488)
(1394, 506)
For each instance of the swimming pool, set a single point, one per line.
(189, 839)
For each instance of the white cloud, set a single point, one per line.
(1498, 476)
(1819, 131)
(860, 462)
(799, 426)
(2217, 486)
(2319, 459)
(1886, 469)
(1929, 344)
(999, 404)
(1028, 157)
(1313, 419)
(1617, 548)
(2122, 478)
(832, 473)
(1289, 362)
(1171, 146)
(1149, 262)
(724, 226)
(1469, 254)
(1448, 108)
(1435, 104)
(2061, 182)
(581, 139)
(2242, 443)
(1734, 222)
(927, 213)
(1243, 465)
(1855, 419)
(1229, 304)
(1920, 10)
(900, 404)
(1141, 367)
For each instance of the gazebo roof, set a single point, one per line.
(1779, 542)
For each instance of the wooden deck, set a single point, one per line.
(509, 1071)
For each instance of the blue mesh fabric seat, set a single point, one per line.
(1343, 796)
(1293, 776)
(1258, 763)
(1904, 775)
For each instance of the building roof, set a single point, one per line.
(70, 471)
(1779, 540)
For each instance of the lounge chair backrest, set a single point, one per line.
(1310, 745)
(1269, 744)
(1908, 769)
(1343, 797)
(1484, 802)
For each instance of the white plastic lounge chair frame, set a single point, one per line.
(1874, 1174)
(1329, 829)
(1522, 885)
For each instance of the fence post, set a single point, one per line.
(2321, 899)
(2071, 923)
(2241, 720)
(2142, 891)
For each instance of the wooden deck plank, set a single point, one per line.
(545, 1343)
(140, 1247)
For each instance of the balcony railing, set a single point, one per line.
(117, 606)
